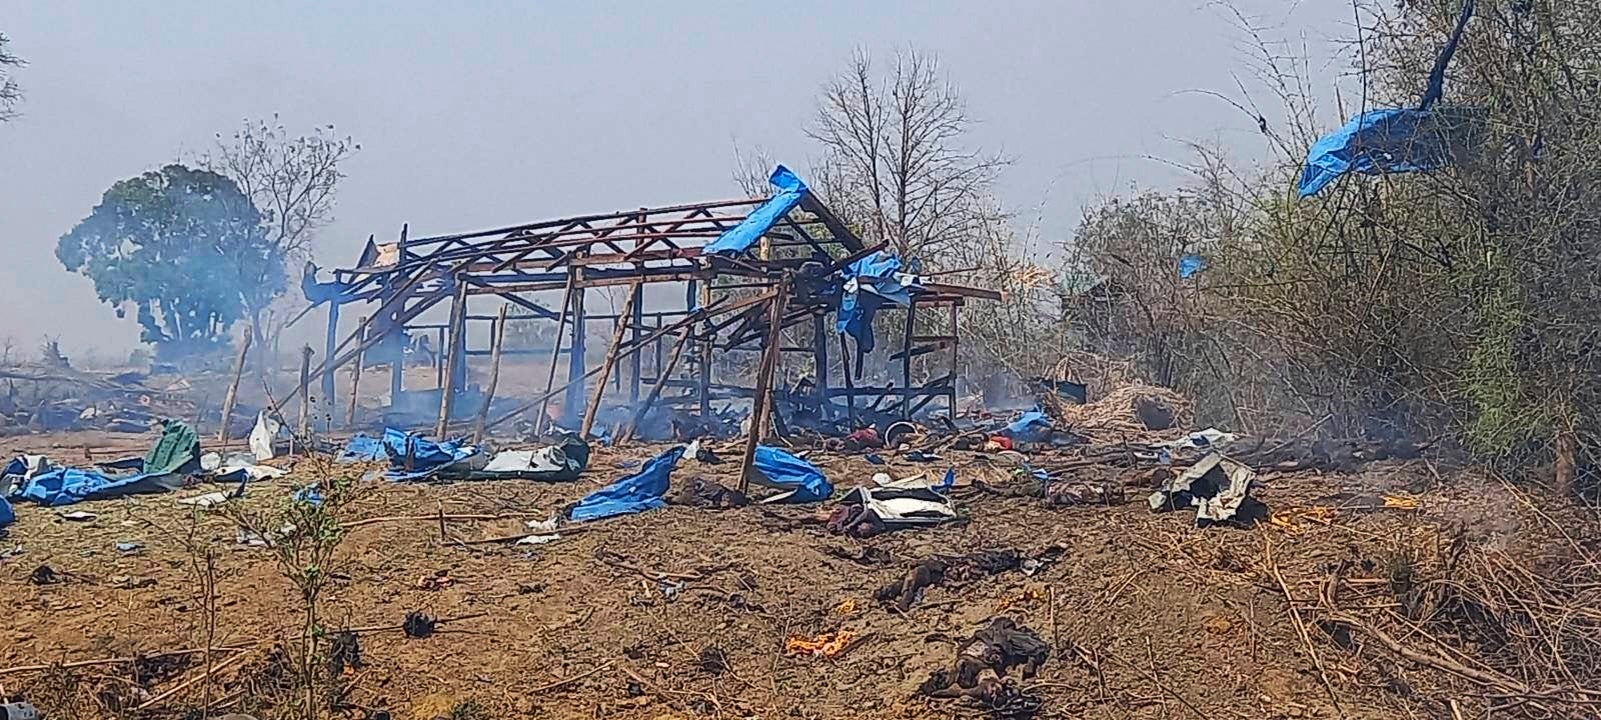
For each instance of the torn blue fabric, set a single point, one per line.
(739, 238)
(869, 283)
(65, 486)
(1392, 140)
(428, 457)
(636, 493)
(802, 480)
(1032, 426)
(1191, 264)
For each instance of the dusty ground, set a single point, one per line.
(1148, 616)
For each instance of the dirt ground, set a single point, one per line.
(1147, 615)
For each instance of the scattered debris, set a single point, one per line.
(128, 548)
(77, 516)
(417, 625)
(997, 648)
(940, 569)
(45, 575)
(440, 580)
(827, 645)
(700, 492)
(344, 652)
(210, 499)
(893, 505)
(713, 660)
(1216, 487)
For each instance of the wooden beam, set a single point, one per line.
(761, 402)
(233, 389)
(606, 366)
(662, 376)
(499, 334)
(458, 332)
(355, 385)
(555, 354)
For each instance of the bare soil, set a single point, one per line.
(1147, 615)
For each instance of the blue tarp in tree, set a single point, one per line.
(869, 283)
(1191, 264)
(1393, 140)
(635, 493)
(1397, 140)
(739, 238)
(801, 480)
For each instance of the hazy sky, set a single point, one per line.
(477, 114)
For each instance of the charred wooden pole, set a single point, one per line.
(555, 354)
(330, 347)
(635, 365)
(396, 330)
(303, 430)
(955, 363)
(233, 388)
(576, 361)
(593, 407)
(355, 380)
(761, 403)
(906, 359)
(820, 364)
(662, 374)
(705, 368)
(499, 334)
(850, 383)
(458, 338)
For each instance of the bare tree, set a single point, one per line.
(894, 156)
(292, 180)
(10, 91)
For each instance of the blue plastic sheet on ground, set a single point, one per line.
(7, 515)
(1191, 264)
(65, 486)
(741, 237)
(875, 284)
(635, 493)
(1032, 426)
(802, 480)
(428, 457)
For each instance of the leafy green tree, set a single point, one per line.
(186, 248)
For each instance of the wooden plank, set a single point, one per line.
(555, 353)
(494, 372)
(761, 402)
(452, 364)
(233, 388)
(606, 366)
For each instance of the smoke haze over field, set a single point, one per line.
(490, 113)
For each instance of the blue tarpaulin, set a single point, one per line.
(1397, 140)
(1191, 264)
(875, 283)
(739, 238)
(427, 456)
(639, 492)
(7, 516)
(802, 479)
(1392, 140)
(1032, 426)
(65, 486)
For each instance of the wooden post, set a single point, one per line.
(906, 359)
(397, 331)
(761, 403)
(633, 336)
(233, 388)
(706, 357)
(330, 348)
(611, 359)
(850, 382)
(439, 357)
(304, 428)
(662, 374)
(576, 361)
(499, 335)
(955, 363)
(458, 328)
(820, 364)
(355, 380)
(555, 354)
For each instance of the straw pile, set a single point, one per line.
(1119, 413)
